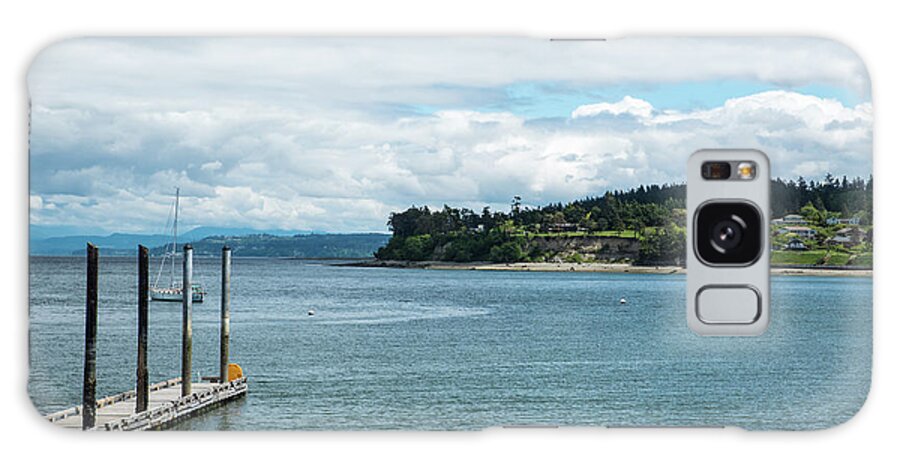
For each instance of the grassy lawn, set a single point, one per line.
(613, 233)
(810, 257)
(862, 259)
(797, 257)
(605, 233)
(838, 259)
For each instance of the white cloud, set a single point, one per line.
(463, 157)
(349, 69)
(211, 166)
(628, 105)
(297, 137)
(811, 168)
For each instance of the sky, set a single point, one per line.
(334, 134)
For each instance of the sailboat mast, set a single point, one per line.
(175, 235)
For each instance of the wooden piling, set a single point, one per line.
(225, 329)
(143, 382)
(89, 388)
(187, 300)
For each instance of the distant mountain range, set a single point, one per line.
(244, 242)
(295, 246)
(114, 244)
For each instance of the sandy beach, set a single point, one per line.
(590, 267)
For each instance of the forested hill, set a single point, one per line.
(847, 197)
(654, 215)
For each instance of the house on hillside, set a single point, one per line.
(833, 221)
(804, 232)
(841, 240)
(561, 227)
(790, 220)
(848, 236)
(795, 244)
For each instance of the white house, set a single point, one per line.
(833, 221)
(804, 232)
(790, 220)
(849, 236)
(841, 240)
(795, 219)
(795, 244)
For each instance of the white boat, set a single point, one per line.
(174, 291)
(175, 294)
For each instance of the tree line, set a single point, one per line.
(653, 214)
(846, 197)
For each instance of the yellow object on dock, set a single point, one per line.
(234, 372)
(166, 405)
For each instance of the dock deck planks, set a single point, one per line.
(166, 406)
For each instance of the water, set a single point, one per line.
(416, 349)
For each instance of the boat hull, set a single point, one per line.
(174, 294)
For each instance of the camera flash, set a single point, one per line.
(746, 170)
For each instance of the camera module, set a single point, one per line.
(728, 233)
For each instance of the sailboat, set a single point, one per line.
(174, 291)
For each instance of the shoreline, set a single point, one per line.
(588, 267)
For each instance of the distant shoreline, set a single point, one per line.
(588, 267)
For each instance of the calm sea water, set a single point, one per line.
(415, 349)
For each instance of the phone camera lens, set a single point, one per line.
(728, 233)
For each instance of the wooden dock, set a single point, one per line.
(157, 406)
(166, 406)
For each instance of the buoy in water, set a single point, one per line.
(622, 301)
(311, 312)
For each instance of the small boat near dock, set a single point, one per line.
(173, 292)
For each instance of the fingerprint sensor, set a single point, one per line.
(726, 304)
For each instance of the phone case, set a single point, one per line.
(435, 233)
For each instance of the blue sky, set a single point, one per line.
(557, 99)
(334, 134)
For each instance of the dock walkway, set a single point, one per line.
(165, 407)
